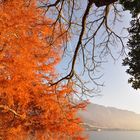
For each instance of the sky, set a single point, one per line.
(116, 91)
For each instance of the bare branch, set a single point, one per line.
(70, 75)
(91, 31)
(6, 108)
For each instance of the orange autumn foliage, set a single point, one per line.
(30, 108)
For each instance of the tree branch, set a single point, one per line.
(84, 18)
(4, 107)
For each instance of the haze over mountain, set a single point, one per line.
(111, 118)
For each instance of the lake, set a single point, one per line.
(114, 135)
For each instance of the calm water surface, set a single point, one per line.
(114, 135)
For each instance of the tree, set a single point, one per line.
(133, 58)
(29, 107)
(132, 6)
(93, 35)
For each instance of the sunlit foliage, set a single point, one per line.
(29, 107)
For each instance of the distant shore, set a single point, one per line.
(109, 129)
(90, 127)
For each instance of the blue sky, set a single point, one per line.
(116, 91)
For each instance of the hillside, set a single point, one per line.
(110, 118)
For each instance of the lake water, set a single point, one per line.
(114, 135)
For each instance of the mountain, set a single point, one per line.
(98, 116)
